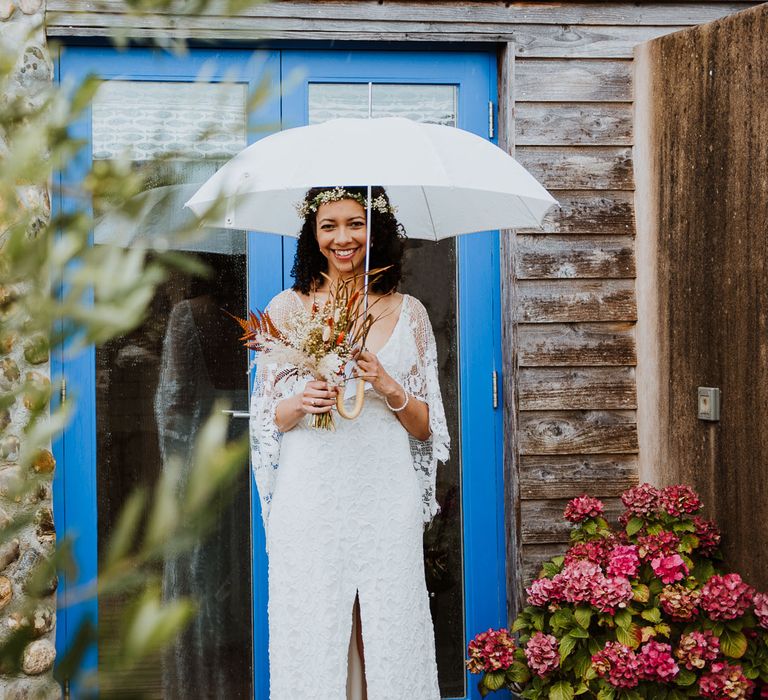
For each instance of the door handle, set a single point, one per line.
(238, 414)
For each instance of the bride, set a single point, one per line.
(344, 510)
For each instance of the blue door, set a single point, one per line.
(130, 409)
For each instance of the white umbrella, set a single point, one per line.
(444, 181)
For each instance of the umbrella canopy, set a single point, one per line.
(444, 181)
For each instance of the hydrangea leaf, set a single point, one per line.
(750, 672)
(685, 678)
(689, 542)
(652, 615)
(733, 644)
(634, 526)
(583, 664)
(641, 593)
(583, 616)
(562, 690)
(494, 680)
(606, 694)
(628, 637)
(594, 646)
(623, 619)
(567, 645)
(518, 673)
(562, 619)
(581, 688)
(519, 624)
(704, 570)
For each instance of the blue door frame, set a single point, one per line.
(270, 258)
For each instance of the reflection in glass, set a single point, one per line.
(434, 104)
(144, 120)
(429, 275)
(158, 384)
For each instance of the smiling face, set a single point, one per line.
(340, 231)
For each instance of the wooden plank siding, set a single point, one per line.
(566, 103)
(477, 13)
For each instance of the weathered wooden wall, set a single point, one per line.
(704, 230)
(571, 398)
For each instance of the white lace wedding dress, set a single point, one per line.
(344, 513)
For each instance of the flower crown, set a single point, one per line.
(379, 204)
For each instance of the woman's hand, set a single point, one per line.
(414, 414)
(317, 397)
(371, 370)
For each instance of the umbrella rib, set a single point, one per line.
(429, 211)
(528, 209)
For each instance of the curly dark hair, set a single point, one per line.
(387, 245)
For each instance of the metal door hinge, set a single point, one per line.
(495, 389)
(63, 392)
(490, 119)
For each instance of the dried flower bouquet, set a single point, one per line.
(320, 343)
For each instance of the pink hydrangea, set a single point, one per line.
(669, 569)
(611, 593)
(489, 651)
(583, 507)
(663, 544)
(679, 602)
(760, 602)
(656, 662)
(708, 534)
(642, 500)
(696, 648)
(594, 550)
(618, 664)
(724, 682)
(679, 500)
(623, 561)
(578, 580)
(726, 597)
(542, 653)
(543, 591)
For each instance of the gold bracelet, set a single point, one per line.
(397, 410)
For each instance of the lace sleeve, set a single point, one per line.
(268, 391)
(422, 382)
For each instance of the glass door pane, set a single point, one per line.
(429, 274)
(156, 386)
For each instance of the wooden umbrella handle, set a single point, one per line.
(359, 400)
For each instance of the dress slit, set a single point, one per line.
(356, 682)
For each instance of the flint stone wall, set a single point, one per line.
(21, 27)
